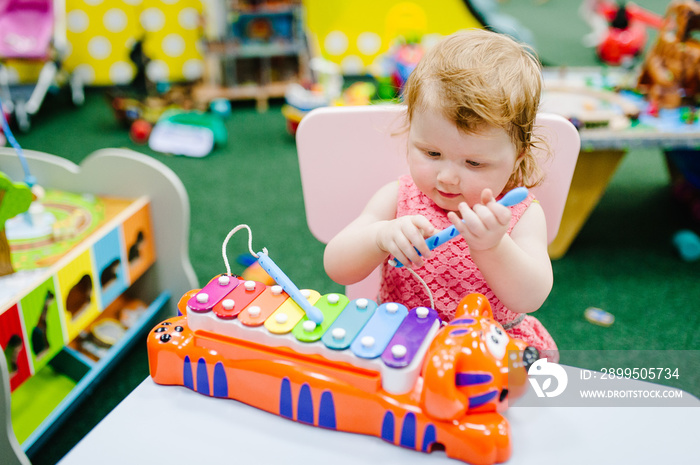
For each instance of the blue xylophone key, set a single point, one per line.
(348, 324)
(374, 337)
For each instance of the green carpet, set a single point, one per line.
(623, 260)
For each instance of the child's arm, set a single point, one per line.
(516, 266)
(366, 242)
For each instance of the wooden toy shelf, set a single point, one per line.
(54, 306)
(261, 49)
(66, 321)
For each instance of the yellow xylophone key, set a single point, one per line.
(289, 314)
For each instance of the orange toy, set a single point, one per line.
(398, 374)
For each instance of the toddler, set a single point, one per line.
(471, 105)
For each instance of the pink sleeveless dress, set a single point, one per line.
(451, 274)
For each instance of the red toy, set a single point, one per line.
(140, 131)
(626, 36)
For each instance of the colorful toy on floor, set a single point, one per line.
(190, 133)
(598, 316)
(417, 382)
(688, 245)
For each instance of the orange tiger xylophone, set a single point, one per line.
(382, 370)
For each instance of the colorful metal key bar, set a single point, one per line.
(366, 333)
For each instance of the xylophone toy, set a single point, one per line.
(383, 370)
(379, 370)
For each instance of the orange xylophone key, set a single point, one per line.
(263, 306)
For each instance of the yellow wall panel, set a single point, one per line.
(355, 33)
(102, 33)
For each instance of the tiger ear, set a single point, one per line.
(474, 305)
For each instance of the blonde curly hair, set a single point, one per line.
(478, 77)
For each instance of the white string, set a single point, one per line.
(427, 289)
(250, 245)
(264, 250)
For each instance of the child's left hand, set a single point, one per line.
(484, 225)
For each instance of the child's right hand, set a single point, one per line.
(404, 239)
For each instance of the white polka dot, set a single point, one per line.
(85, 72)
(336, 43)
(369, 42)
(121, 72)
(152, 19)
(157, 71)
(188, 18)
(192, 69)
(352, 64)
(173, 45)
(99, 47)
(77, 21)
(12, 75)
(115, 20)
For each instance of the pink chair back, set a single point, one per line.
(347, 153)
(26, 28)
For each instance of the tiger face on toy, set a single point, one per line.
(473, 365)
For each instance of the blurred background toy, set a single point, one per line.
(190, 133)
(15, 198)
(599, 316)
(253, 271)
(325, 87)
(688, 245)
(33, 36)
(670, 74)
(619, 29)
(397, 64)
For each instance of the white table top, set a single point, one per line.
(171, 424)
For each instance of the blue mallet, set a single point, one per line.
(513, 197)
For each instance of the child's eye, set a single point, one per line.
(432, 154)
(473, 163)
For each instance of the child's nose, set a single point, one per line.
(448, 175)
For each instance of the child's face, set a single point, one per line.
(451, 166)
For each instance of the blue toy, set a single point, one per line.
(289, 287)
(688, 245)
(513, 197)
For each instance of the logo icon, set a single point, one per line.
(545, 371)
